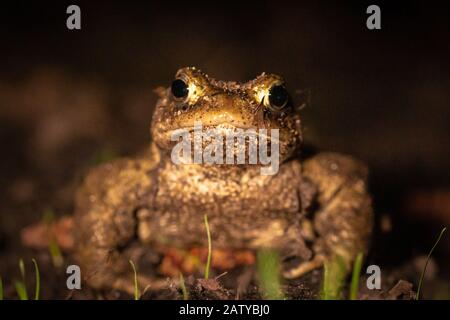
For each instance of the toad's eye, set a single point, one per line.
(179, 89)
(278, 97)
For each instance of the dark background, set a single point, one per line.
(69, 99)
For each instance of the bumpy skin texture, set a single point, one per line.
(312, 211)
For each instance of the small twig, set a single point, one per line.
(221, 275)
(69, 295)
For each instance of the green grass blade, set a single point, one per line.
(354, 285)
(22, 269)
(1, 289)
(21, 290)
(183, 288)
(48, 216)
(426, 264)
(269, 274)
(55, 253)
(20, 285)
(136, 287)
(53, 247)
(208, 261)
(38, 280)
(333, 278)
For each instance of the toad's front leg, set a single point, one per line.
(344, 218)
(106, 224)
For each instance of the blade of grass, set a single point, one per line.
(55, 252)
(333, 278)
(208, 261)
(145, 289)
(136, 288)
(183, 288)
(38, 280)
(1, 289)
(22, 269)
(53, 247)
(20, 285)
(426, 263)
(269, 274)
(354, 285)
(21, 290)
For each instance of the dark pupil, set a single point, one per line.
(179, 88)
(278, 96)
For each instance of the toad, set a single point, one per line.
(310, 209)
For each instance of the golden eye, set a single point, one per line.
(278, 97)
(179, 89)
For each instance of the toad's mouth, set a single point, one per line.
(221, 126)
(224, 123)
(222, 129)
(224, 135)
